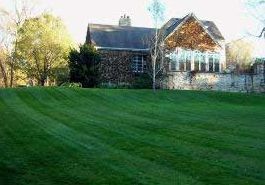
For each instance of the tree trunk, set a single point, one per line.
(154, 77)
(4, 74)
(41, 81)
(11, 74)
(12, 64)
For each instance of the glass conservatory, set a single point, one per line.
(189, 60)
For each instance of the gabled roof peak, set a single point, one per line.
(208, 26)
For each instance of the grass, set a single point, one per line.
(95, 136)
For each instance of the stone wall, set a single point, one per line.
(116, 67)
(216, 81)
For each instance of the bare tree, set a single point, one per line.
(257, 10)
(157, 49)
(10, 23)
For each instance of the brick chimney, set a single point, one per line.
(125, 20)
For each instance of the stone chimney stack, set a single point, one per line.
(125, 21)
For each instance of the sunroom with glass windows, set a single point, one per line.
(193, 60)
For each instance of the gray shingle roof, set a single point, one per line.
(127, 37)
(120, 36)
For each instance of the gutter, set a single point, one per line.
(122, 49)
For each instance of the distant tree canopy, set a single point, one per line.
(11, 21)
(43, 45)
(239, 55)
(84, 65)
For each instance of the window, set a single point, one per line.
(182, 61)
(139, 63)
(211, 61)
(188, 60)
(203, 62)
(217, 64)
(173, 61)
(197, 61)
(214, 62)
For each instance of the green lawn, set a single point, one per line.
(66, 136)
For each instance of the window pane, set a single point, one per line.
(182, 61)
(137, 63)
(211, 63)
(203, 67)
(173, 65)
(173, 60)
(182, 66)
(188, 66)
(188, 61)
(144, 63)
(196, 61)
(216, 65)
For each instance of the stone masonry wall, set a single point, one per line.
(216, 81)
(115, 67)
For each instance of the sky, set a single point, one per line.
(230, 16)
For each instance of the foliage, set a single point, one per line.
(11, 21)
(43, 47)
(239, 55)
(72, 85)
(142, 81)
(115, 85)
(75, 136)
(84, 64)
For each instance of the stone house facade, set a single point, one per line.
(193, 46)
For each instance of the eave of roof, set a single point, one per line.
(122, 49)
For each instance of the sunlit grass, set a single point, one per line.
(96, 136)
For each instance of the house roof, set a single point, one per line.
(208, 25)
(136, 38)
(109, 36)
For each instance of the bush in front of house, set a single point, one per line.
(109, 85)
(71, 85)
(83, 65)
(142, 81)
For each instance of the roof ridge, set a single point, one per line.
(117, 26)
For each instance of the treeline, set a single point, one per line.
(38, 50)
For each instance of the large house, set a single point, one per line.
(194, 45)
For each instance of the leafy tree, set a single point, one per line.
(11, 21)
(239, 55)
(43, 47)
(84, 65)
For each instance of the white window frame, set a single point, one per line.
(139, 62)
(203, 57)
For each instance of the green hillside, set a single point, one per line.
(51, 136)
